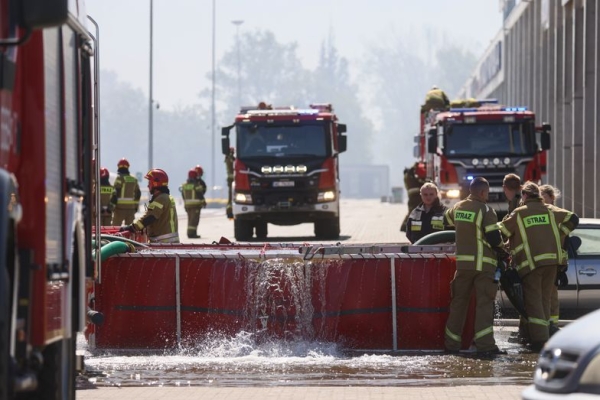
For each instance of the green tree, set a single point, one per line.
(331, 84)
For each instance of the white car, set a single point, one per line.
(569, 363)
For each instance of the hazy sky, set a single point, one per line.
(183, 33)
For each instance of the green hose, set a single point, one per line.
(112, 249)
(437, 238)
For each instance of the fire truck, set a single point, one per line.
(286, 171)
(487, 141)
(47, 134)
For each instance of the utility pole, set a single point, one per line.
(213, 111)
(150, 111)
(237, 24)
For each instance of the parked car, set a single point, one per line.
(582, 294)
(569, 363)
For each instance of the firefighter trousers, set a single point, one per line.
(193, 214)
(461, 289)
(123, 216)
(537, 292)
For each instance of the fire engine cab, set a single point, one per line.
(488, 141)
(286, 171)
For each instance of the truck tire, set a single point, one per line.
(56, 381)
(328, 229)
(261, 230)
(242, 230)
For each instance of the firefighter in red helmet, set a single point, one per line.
(126, 196)
(229, 164)
(192, 192)
(106, 195)
(160, 218)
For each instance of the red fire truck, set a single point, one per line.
(488, 141)
(46, 150)
(286, 171)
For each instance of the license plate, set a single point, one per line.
(495, 189)
(283, 184)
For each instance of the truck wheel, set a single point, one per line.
(4, 334)
(57, 378)
(328, 229)
(261, 230)
(242, 230)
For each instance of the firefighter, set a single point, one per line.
(414, 178)
(192, 192)
(126, 196)
(229, 160)
(535, 239)
(160, 218)
(106, 196)
(511, 184)
(549, 195)
(435, 99)
(478, 242)
(427, 217)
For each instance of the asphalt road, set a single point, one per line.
(362, 221)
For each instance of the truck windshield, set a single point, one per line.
(256, 140)
(489, 140)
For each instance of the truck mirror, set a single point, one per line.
(545, 140)
(225, 131)
(37, 14)
(341, 128)
(432, 144)
(342, 143)
(416, 151)
(225, 145)
(546, 127)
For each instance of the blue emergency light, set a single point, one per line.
(514, 109)
(469, 177)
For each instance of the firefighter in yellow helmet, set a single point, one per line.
(160, 219)
(106, 196)
(435, 99)
(192, 192)
(535, 232)
(478, 244)
(229, 165)
(126, 196)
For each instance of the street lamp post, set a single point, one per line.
(237, 24)
(150, 112)
(213, 111)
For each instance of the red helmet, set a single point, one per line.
(123, 163)
(104, 173)
(421, 170)
(199, 171)
(157, 178)
(192, 174)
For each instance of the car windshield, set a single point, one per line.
(255, 140)
(500, 139)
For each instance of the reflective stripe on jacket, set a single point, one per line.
(473, 219)
(193, 194)
(106, 194)
(536, 232)
(127, 192)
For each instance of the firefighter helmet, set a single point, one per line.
(104, 173)
(192, 174)
(420, 170)
(157, 178)
(123, 163)
(199, 171)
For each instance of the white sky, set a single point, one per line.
(183, 33)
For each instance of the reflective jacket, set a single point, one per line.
(160, 219)
(127, 192)
(536, 233)
(477, 234)
(421, 223)
(193, 193)
(106, 195)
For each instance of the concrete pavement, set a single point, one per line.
(302, 393)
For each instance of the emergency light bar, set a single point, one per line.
(281, 112)
(514, 109)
